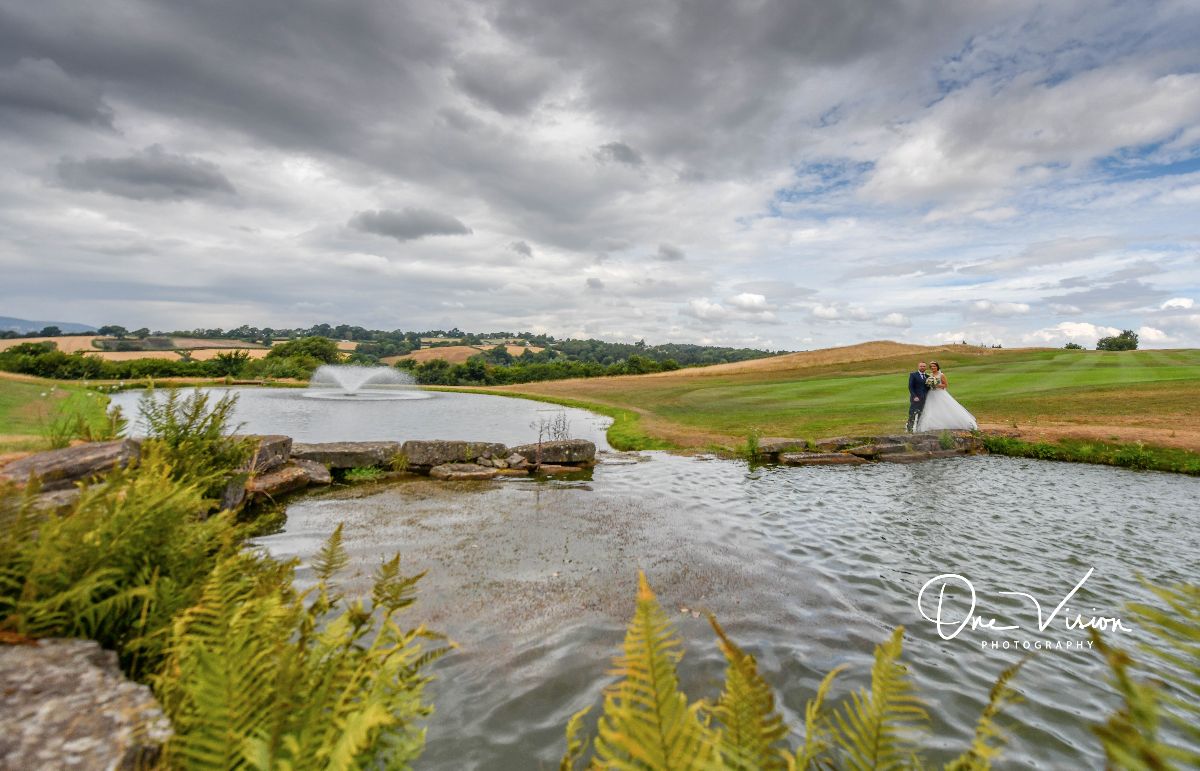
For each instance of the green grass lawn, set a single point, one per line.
(1134, 391)
(27, 410)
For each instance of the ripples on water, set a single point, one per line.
(807, 568)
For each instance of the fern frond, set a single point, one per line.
(874, 729)
(647, 722)
(575, 745)
(332, 556)
(989, 738)
(752, 731)
(394, 591)
(817, 727)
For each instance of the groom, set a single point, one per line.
(917, 390)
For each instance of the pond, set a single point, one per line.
(442, 415)
(807, 568)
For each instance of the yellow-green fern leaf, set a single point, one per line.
(874, 731)
(752, 731)
(575, 744)
(989, 738)
(647, 722)
(817, 727)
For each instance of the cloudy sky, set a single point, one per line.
(781, 174)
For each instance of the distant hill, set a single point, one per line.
(23, 326)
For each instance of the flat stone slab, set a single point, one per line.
(346, 455)
(773, 445)
(563, 451)
(463, 472)
(511, 472)
(61, 469)
(820, 459)
(56, 501)
(875, 450)
(438, 452)
(317, 473)
(552, 469)
(906, 457)
(67, 705)
(279, 482)
(838, 443)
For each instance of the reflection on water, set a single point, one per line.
(807, 568)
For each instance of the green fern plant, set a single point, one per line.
(1167, 692)
(262, 677)
(647, 722)
(116, 566)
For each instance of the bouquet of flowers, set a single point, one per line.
(932, 381)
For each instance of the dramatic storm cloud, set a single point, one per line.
(778, 174)
(153, 174)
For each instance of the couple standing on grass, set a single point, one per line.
(930, 405)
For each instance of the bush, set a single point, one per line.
(322, 349)
(1126, 341)
(1073, 347)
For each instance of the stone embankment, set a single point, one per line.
(279, 466)
(857, 450)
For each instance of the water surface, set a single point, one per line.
(808, 568)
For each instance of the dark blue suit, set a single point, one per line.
(917, 391)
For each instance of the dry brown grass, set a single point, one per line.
(66, 344)
(455, 354)
(825, 357)
(204, 354)
(347, 345)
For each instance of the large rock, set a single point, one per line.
(463, 472)
(820, 459)
(437, 452)
(270, 452)
(60, 469)
(344, 455)
(67, 705)
(317, 474)
(279, 482)
(563, 451)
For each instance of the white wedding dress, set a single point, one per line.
(943, 413)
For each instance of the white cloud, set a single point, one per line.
(1152, 335)
(898, 320)
(1000, 309)
(748, 301)
(1070, 332)
(1178, 302)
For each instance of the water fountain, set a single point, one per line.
(337, 381)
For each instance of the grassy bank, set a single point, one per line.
(29, 408)
(1133, 455)
(1042, 395)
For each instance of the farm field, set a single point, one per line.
(456, 354)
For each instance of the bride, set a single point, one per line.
(941, 411)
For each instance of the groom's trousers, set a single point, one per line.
(914, 412)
